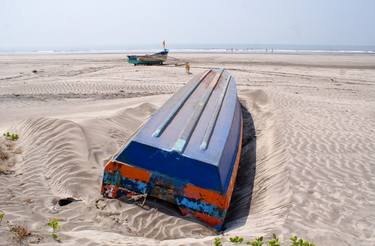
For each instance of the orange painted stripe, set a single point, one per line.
(134, 173)
(110, 167)
(210, 220)
(235, 170)
(128, 171)
(212, 197)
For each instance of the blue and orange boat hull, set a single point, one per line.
(187, 153)
(153, 59)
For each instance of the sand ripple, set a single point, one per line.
(307, 165)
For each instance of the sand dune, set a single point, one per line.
(62, 158)
(307, 165)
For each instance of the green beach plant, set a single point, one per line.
(217, 241)
(55, 225)
(236, 239)
(256, 242)
(300, 242)
(2, 214)
(11, 136)
(259, 241)
(274, 241)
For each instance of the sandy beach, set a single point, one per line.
(307, 165)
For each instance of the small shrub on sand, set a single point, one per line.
(11, 136)
(3, 155)
(236, 239)
(1, 216)
(300, 242)
(256, 242)
(55, 225)
(20, 233)
(274, 241)
(217, 241)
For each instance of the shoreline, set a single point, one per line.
(196, 51)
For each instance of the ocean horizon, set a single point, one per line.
(200, 48)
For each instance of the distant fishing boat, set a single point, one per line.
(153, 59)
(187, 153)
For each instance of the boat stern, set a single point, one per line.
(208, 206)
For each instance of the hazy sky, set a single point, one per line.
(107, 23)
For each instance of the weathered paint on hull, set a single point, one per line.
(210, 207)
(138, 61)
(154, 59)
(187, 153)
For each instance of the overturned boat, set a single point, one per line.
(153, 59)
(187, 153)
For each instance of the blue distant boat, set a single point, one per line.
(187, 153)
(153, 59)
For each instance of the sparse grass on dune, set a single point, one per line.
(259, 241)
(55, 225)
(4, 157)
(8, 151)
(11, 136)
(20, 233)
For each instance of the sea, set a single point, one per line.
(202, 48)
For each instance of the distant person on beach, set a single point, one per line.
(187, 68)
(163, 44)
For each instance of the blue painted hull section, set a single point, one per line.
(164, 162)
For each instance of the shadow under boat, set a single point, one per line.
(240, 204)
